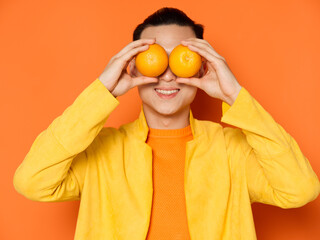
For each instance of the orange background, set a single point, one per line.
(50, 51)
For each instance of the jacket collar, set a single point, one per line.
(141, 128)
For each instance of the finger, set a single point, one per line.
(190, 81)
(135, 44)
(201, 43)
(141, 80)
(209, 57)
(127, 57)
(197, 40)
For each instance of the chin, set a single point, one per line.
(167, 110)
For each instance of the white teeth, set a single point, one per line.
(166, 92)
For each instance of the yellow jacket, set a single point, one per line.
(110, 169)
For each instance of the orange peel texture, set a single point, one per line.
(152, 62)
(184, 62)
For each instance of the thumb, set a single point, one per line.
(143, 80)
(189, 81)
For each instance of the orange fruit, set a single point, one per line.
(183, 62)
(152, 62)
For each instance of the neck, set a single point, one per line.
(171, 121)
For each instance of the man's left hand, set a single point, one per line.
(218, 81)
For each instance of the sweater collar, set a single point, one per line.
(142, 128)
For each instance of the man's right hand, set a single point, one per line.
(115, 77)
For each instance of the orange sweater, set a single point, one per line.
(168, 215)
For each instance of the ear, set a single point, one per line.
(132, 68)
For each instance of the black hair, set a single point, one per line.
(167, 16)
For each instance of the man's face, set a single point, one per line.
(168, 36)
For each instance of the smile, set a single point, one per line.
(166, 94)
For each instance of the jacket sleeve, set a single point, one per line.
(277, 172)
(54, 168)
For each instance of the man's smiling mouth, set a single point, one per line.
(167, 93)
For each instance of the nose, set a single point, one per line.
(167, 75)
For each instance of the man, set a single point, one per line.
(166, 175)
